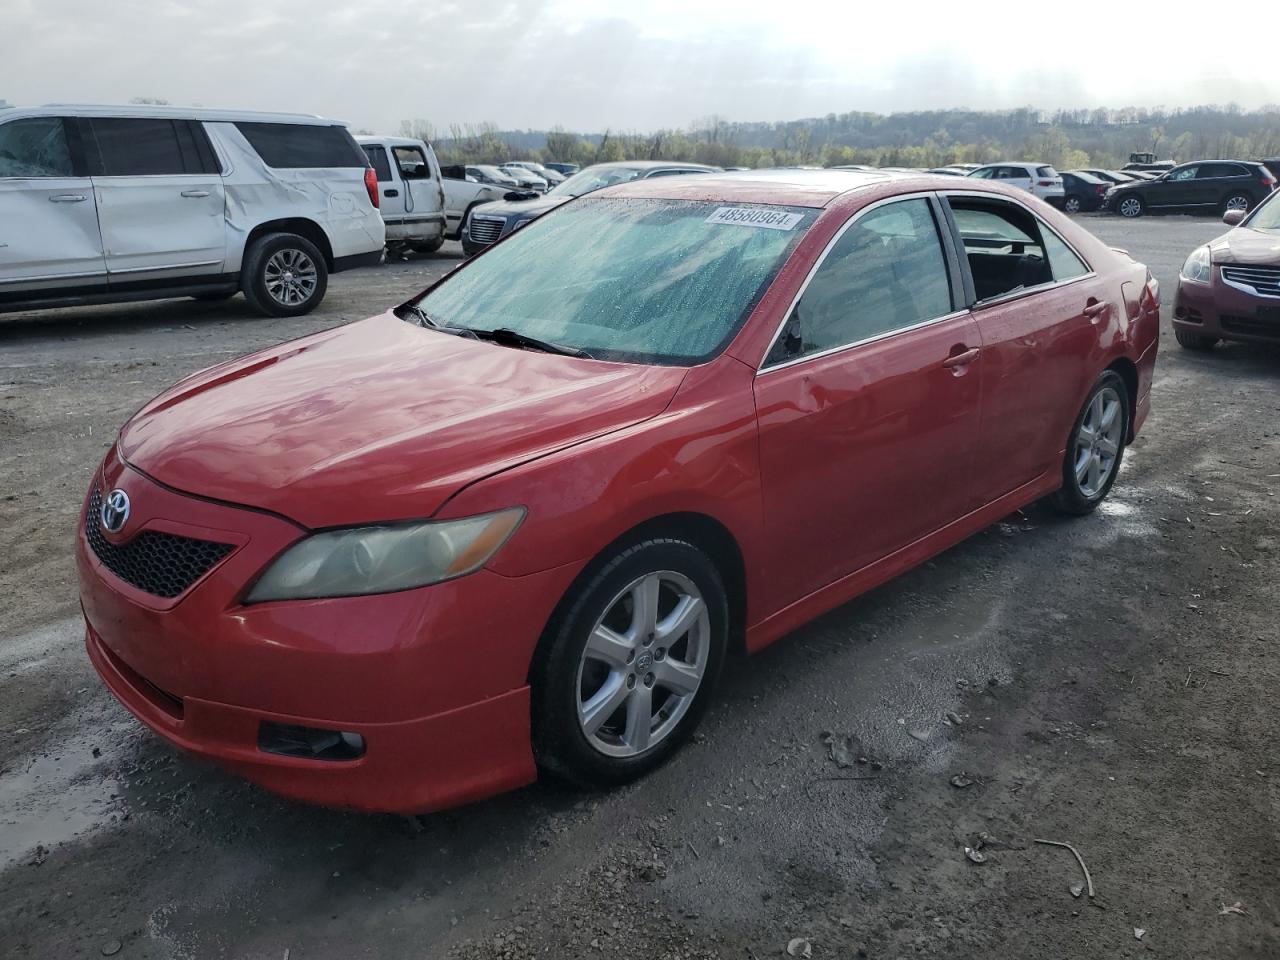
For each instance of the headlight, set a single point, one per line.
(1197, 266)
(385, 558)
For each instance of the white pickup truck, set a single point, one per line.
(421, 208)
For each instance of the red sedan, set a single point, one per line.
(1230, 289)
(521, 520)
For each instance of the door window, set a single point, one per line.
(412, 162)
(1013, 173)
(983, 174)
(1184, 173)
(144, 146)
(378, 160)
(1063, 261)
(1002, 244)
(1213, 171)
(886, 272)
(36, 147)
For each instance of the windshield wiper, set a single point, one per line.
(424, 319)
(514, 338)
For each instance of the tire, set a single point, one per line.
(624, 672)
(1083, 489)
(1072, 204)
(431, 246)
(214, 296)
(1131, 207)
(272, 288)
(1237, 201)
(1194, 341)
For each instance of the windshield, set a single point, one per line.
(1267, 216)
(641, 281)
(593, 178)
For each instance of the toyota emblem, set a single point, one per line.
(115, 511)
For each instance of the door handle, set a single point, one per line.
(1094, 309)
(68, 198)
(390, 193)
(195, 194)
(963, 358)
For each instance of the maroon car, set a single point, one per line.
(1229, 289)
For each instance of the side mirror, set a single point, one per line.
(1233, 217)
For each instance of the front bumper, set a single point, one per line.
(1216, 309)
(433, 679)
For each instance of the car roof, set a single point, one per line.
(389, 141)
(144, 110)
(787, 187)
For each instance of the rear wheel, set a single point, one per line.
(284, 275)
(1131, 207)
(1237, 201)
(1194, 341)
(430, 246)
(1096, 447)
(631, 664)
(1071, 204)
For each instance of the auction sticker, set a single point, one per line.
(756, 217)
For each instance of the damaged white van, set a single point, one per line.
(105, 204)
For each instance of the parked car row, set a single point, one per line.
(1203, 185)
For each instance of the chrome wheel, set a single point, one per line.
(1097, 445)
(1238, 202)
(643, 664)
(1130, 207)
(290, 277)
(1072, 205)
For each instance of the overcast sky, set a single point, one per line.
(634, 65)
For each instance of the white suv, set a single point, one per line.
(1037, 178)
(103, 204)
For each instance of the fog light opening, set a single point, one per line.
(309, 743)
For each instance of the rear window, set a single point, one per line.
(293, 145)
(378, 160)
(1046, 172)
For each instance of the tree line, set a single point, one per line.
(1065, 138)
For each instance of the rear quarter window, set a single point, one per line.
(378, 160)
(295, 145)
(1046, 172)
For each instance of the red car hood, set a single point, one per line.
(1243, 245)
(378, 420)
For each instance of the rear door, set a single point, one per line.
(1215, 182)
(49, 238)
(1038, 307)
(160, 198)
(423, 195)
(391, 190)
(867, 402)
(1019, 177)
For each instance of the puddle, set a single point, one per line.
(49, 799)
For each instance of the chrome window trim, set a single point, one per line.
(817, 265)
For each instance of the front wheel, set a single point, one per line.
(1131, 207)
(284, 275)
(630, 666)
(1071, 205)
(1194, 341)
(1095, 448)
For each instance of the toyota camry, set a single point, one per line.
(520, 521)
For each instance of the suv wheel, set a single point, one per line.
(1237, 201)
(1194, 341)
(284, 275)
(1131, 207)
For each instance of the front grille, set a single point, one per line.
(486, 229)
(1250, 326)
(161, 564)
(1262, 280)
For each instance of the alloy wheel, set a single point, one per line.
(290, 277)
(1238, 202)
(643, 664)
(1130, 207)
(1097, 446)
(1072, 205)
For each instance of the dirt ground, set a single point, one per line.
(1107, 682)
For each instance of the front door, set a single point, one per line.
(868, 403)
(1178, 188)
(49, 240)
(160, 199)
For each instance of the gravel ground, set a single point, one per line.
(1106, 682)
